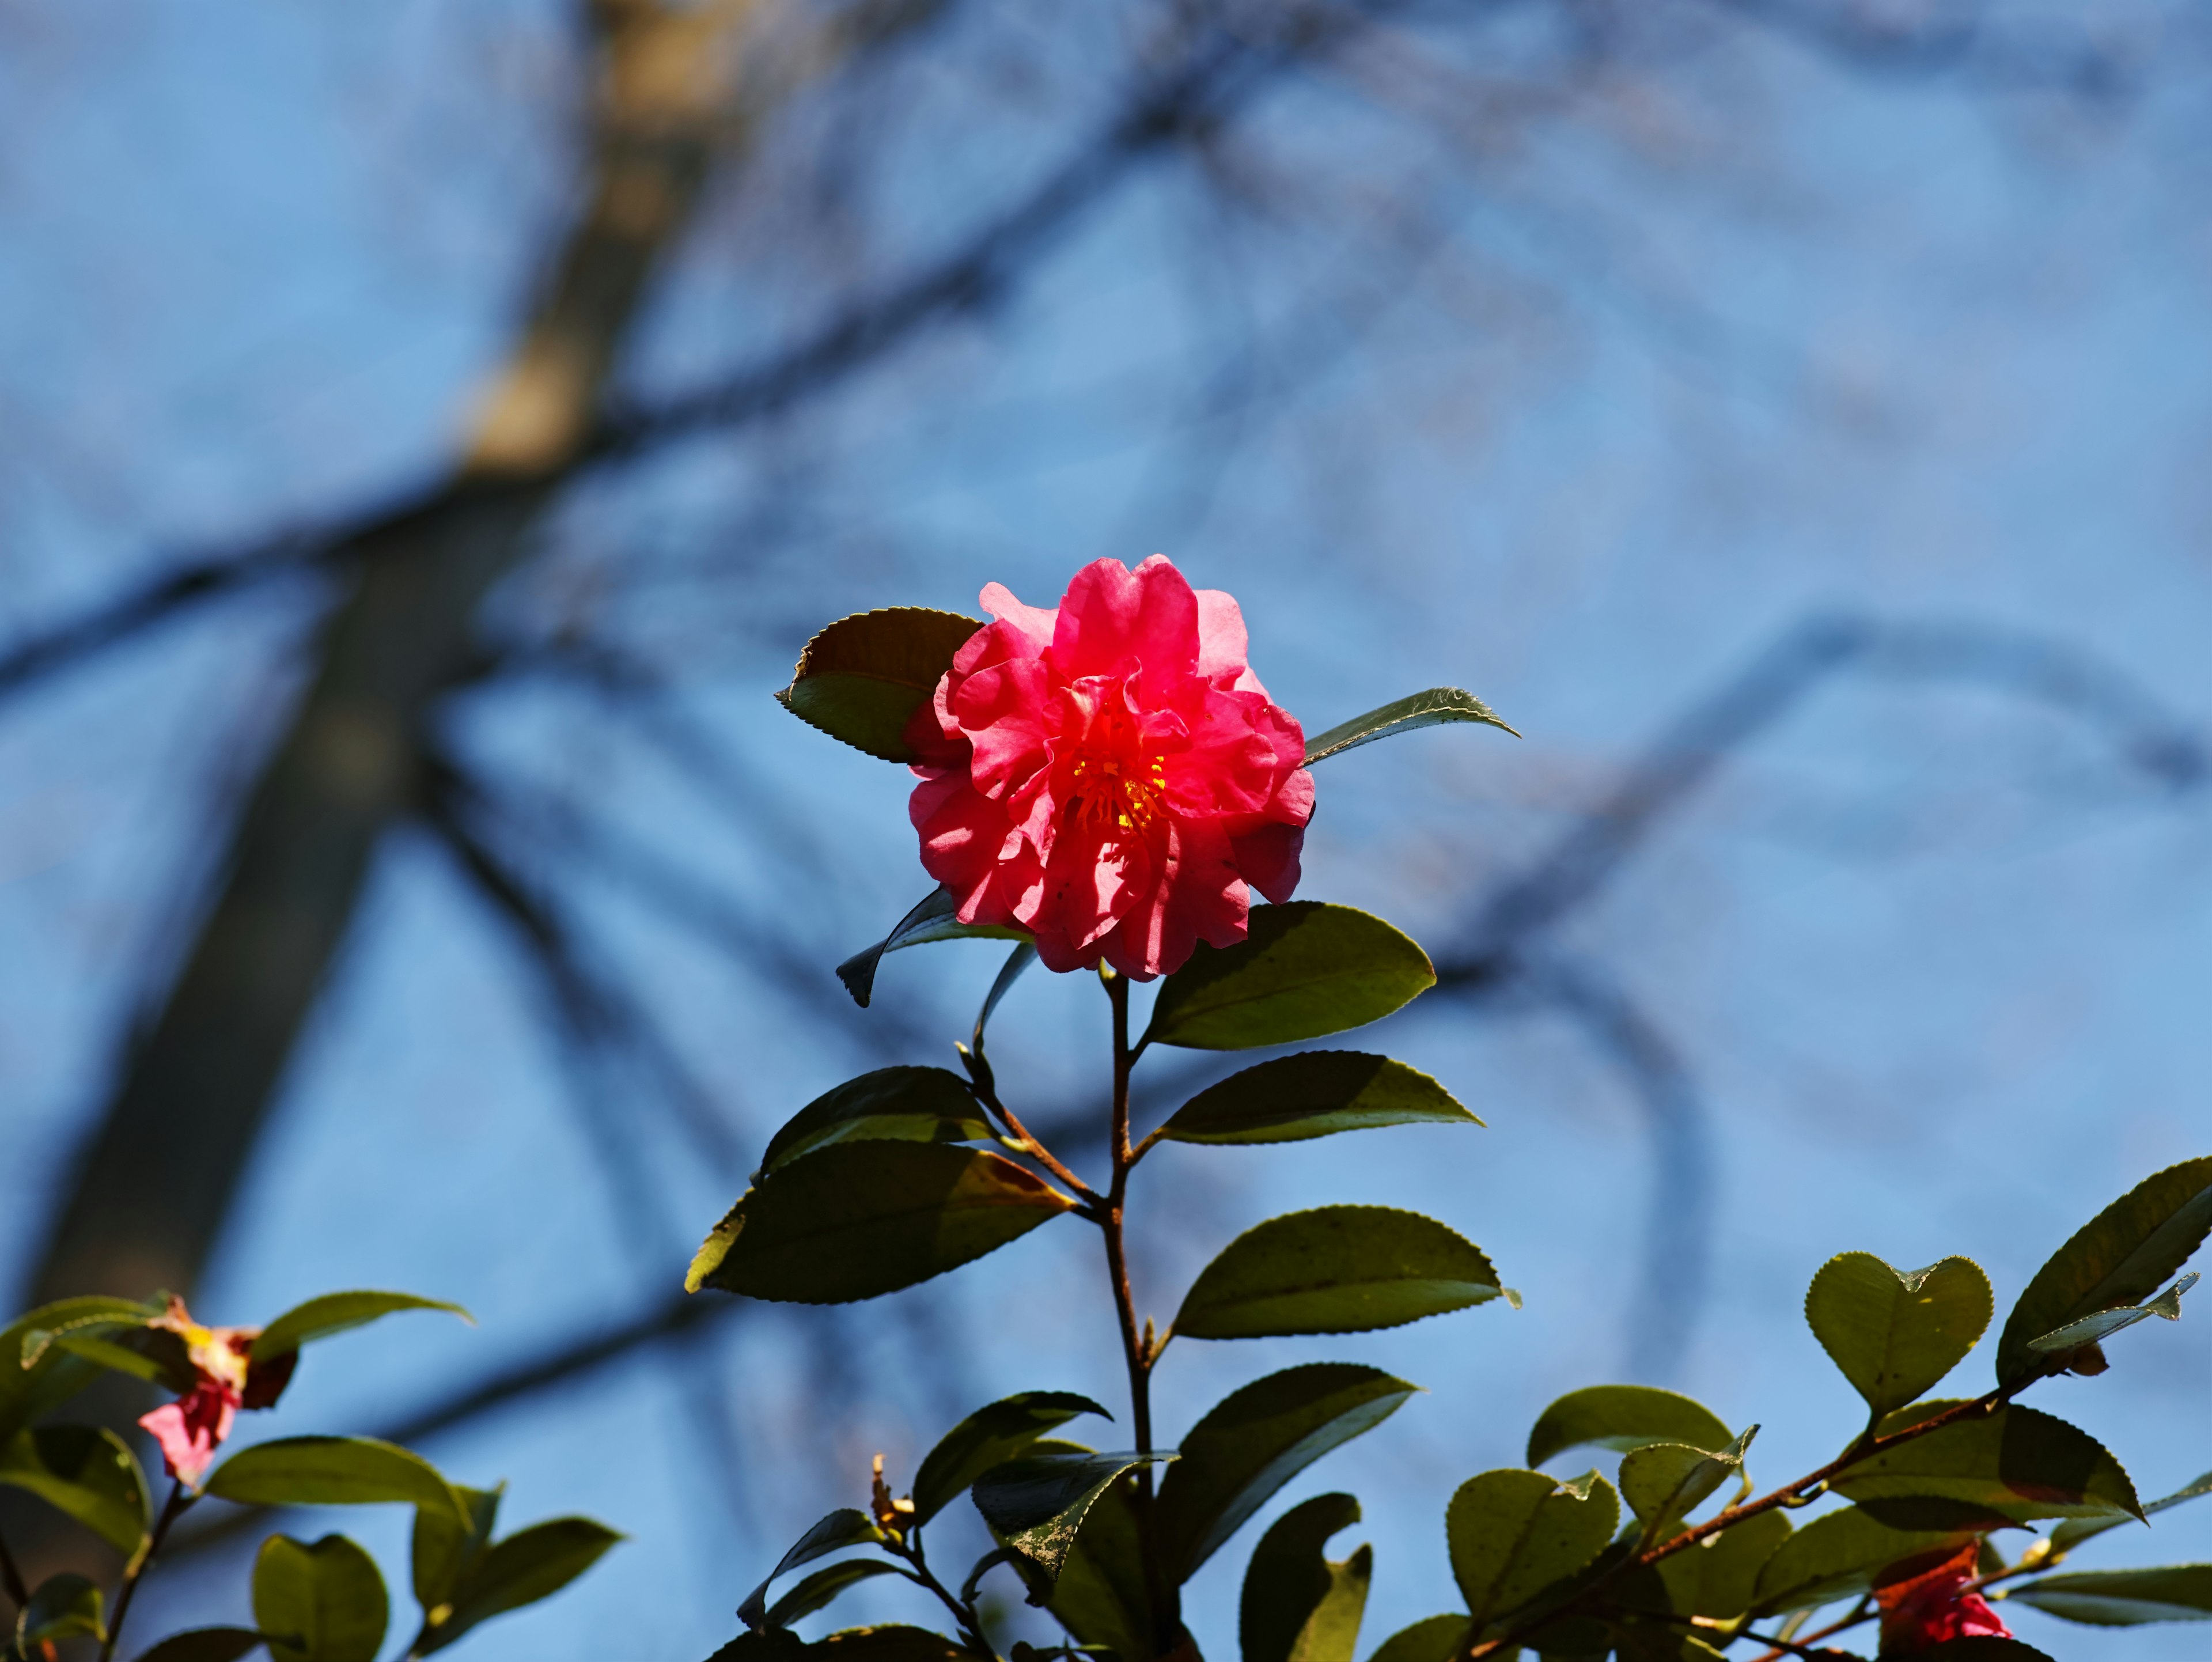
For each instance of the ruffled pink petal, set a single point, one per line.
(1112, 615)
(1004, 712)
(963, 834)
(1268, 857)
(1203, 898)
(1222, 646)
(192, 1429)
(1033, 623)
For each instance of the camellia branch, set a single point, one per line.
(180, 1500)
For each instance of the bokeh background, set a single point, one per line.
(428, 432)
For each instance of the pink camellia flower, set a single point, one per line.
(1936, 1604)
(1110, 776)
(192, 1429)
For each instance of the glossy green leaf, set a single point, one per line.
(530, 1565)
(1421, 709)
(1255, 1440)
(2074, 1531)
(1313, 1095)
(35, 1379)
(335, 1312)
(332, 1472)
(324, 1603)
(153, 1354)
(1034, 1504)
(1296, 1605)
(1303, 969)
(861, 679)
(2125, 1597)
(1101, 1596)
(820, 1589)
(203, 1645)
(2017, 1464)
(1018, 963)
(934, 918)
(891, 1104)
(1717, 1577)
(86, 1471)
(1513, 1534)
(1838, 1555)
(2094, 1330)
(989, 1437)
(1895, 1332)
(443, 1551)
(860, 1219)
(63, 1606)
(847, 1526)
(2119, 1258)
(1621, 1417)
(1664, 1482)
(894, 1642)
(1437, 1639)
(1335, 1270)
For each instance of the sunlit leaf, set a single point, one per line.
(332, 1472)
(442, 1549)
(2017, 1464)
(530, 1565)
(1313, 1095)
(1303, 969)
(2074, 1531)
(1839, 1553)
(1513, 1534)
(1335, 1270)
(989, 1437)
(2093, 1329)
(335, 1312)
(35, 1377)
(1437, 1639)
(1664, 1482)
(324, 1603)
(1621, 1417)
(1101, 1596)
(861, 679)
(1036, 1505)
(891, 1104)
(1421, 709)
(1894, 1332)
(1717, 1577)
(1297, 1606)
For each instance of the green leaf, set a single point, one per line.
(1297, 1606)
(153, 1354)
(324, 1603)
(2125, 1597)
(2074, 1531)
(2093, 1330)
(86, 1471)
(335, 1312)
(444, 1550)
(891, 1104)
(934, 918)
(1313, 1095)
(768, 1645)
(1894, 1332)
(1982, 1647)
(1303, 969)
(861, 679)
(1335, 1270)
(817, 1592)
(35, 1379)
(530, 1565)
(1100, 1597)
(1018, 961)
(860, 1219)
(203, 1645)
(1255, 1440)
(332, 1472)
(1621, 1417)
(2017, 1464)
(1717, 1577)
(1439, 1639)
(989, 1437)
(1513, 1534)
(1420, 709)
(894, 1642)
(845, 1527)
(2119, 1257)
(61, 1607)
(1664, 1482)
(1840, 1553)
(1036, 1504)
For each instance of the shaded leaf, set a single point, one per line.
(1101, 1596)
(768, 1645)
(1296, 1605)
(153, 1354)
(1717, 1577)
(894, 1642)
(332, 1472)
(1036, 1505)
(324, 1603)
(2017, 1464)
(1621, 1417)
(1895, 1332)
(1981, 1647)
(891, 1104)
(443, 1550)
(1255, 1440)
(1437, 1639)
(1304, 969)
(1840, 1553)
(860, 1219)
(989, 1437)
(2074, 1531)
(203, 1645)
(934, 918)
(530, 1565)
(1335, 1270)
(1663, 1482)
(2119, 1257)
(1513, 1534)
(1313, 1095)
(1421, 709)
(35, 1377)
(62, 1606)
(335, 1312)
(1017, 962)
(847, 1526)
(817, 1590)
(861, 679)
(2125, 1597)
(2093, 1330)
(86, 1471)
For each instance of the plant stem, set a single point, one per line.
(1861, 1612)
(179, 1502)
(963, 1612)
(985, 1087)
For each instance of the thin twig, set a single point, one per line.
(179, 1502)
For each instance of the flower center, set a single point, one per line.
(1117, 793)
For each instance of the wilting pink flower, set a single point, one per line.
(1110, 776)
(1937, 1604)
(192, 1429)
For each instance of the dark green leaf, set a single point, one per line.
(1894, 1332)
(444, 1550)
(987, 1438)
(2017, 1464)
(847, 1526)
(1017, 961)
(530, 1565)
(1254, 1442)
(1310, 1095)
(157, 1356)
(335, 1312)
(1622, 1417)
(892, 1643)
(324, 1603)
(2119, 1257)
(1515, 1534)
(1303, 969)
(86, 1471)
(1100, 1597)
(1839, 1553)
(35, 1379)
(1036, 1504)
(768, 1645)
(1664, 1482)
(817, 1592)
(61, 1607)
(861, 679)
(1420, 709)
(203, 1645)
(2074, 1531)
(1335, 1270)
(1716, 1577)
(1981, 1647)
(1297, 1606)
(934, 918)
(891, 1104)
(1439, 1639)
(2093, 1329)
(2125, 1597)
(860, 1219)
(332, 1472)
